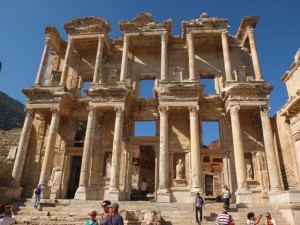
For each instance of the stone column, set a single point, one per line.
(49, 152)
(43, 63)
(21, 154)
(195, 150)
(66, 62)
(270, 150)
(226, 56)
(124, 58)
(163, 193)
(98, 60)
(191, 52)
(243, 195)
(113, 192)
(256, 66)
(82, 191)
(164, 56)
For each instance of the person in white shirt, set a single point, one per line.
(7, 220)
(270, 220)
(144, 188)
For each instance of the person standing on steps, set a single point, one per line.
(6, 220)
(105, 215)
(199, 204)
(37, 195)
(270, 220)
(226, 195)
(144, 188)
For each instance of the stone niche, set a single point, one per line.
(179, 170)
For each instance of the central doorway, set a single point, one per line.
(74, 176)
(143, 167)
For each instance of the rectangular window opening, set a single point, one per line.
(209, 85)
(85, 85)
(146, 88)
(211, 134)
(145, 128)
(80, 133)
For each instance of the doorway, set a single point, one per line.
(209, 185)
(143, 165)
(74, 176)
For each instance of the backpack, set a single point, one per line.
(37, 191)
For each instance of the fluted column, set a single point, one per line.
(82, 191)
(98, 60)
(250, 33)
(22, 149)
(164, 56)
(238, 148)
(163, 194)
(66, 62)
(43, 63)
(124, 58)
(49, 152)
(269, 148)
(113, 192)
(191, 52)
(226, 56)
(195, 151)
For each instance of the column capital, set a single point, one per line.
(126, 38)
(92, 111)
(250, 32)
(163, 110)
(29, 112)
(264, 110)
(70, 40)
(100, 38)
(119, 110)
(234, 110)
(224, 34)
(47, 41)
(190, 36)
(55, 111)
(194, 110)
(164, 36)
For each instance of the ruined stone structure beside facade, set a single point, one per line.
(78, 138)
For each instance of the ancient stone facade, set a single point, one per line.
(83, 146)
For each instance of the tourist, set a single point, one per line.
(224, 217)
(105, 215)
(270, 220)
(251, 220)
(199, 203)
(226, 195)
(144, 187)
(92, 220)
(6, 220)
(114, 217)
(37, 195)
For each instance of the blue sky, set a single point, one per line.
(23, 24)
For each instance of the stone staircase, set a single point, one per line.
(73, 212)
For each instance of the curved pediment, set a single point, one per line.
(87, 25)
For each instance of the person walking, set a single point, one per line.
(226, 195)
(270, 220)
(144, 187)
(37, 195)
(114, 217)
(251, 220)
(105, 215)
(92, 220)
(6, 220)
(199, 204)
(224, 217)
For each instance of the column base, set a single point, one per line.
(243, 196)
(8, 193)
(81, 193)
(93, 192)
(163, 195)
(46, 192)
(113, 194)
(55, 193)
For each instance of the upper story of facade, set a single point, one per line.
(147, 50)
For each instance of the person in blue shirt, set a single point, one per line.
(114, 217)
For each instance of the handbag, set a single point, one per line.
(231, 223)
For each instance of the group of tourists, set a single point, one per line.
(110, 215)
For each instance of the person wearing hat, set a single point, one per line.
(92, 220)
(114, 217)
(105, 215)
(224, 217)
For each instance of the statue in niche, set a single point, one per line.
(179, 169)
(249, 171)
(108, 165)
